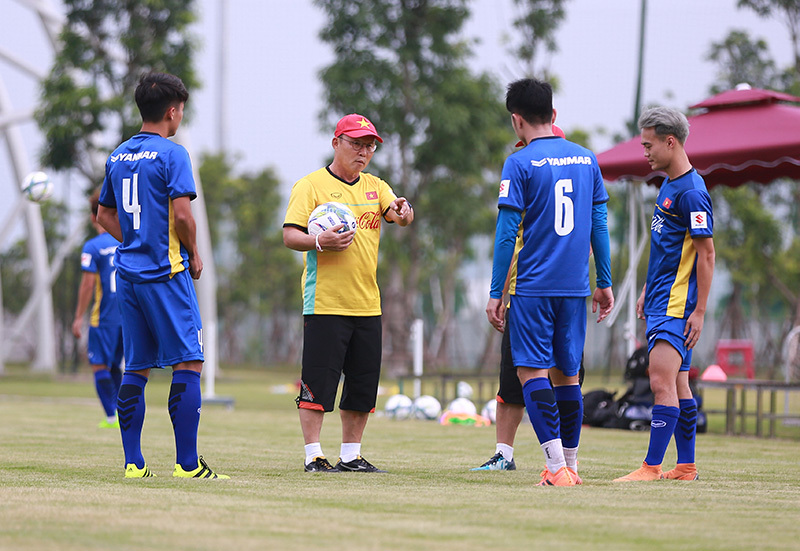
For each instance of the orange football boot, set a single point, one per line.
(682, 471)
(574, 474)
(561, 477)
(643, 473)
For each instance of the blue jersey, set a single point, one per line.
(554, 183)
(683, 211)
(97, 257)
(143, 175)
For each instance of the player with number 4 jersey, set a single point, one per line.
(145, 204)
(151, 250)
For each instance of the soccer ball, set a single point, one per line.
(399, 406)
(328, 215)
(490, 410)
(37, 186)
(427, 407)
(462, 405)
(464, 389)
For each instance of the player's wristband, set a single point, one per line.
(316, 242)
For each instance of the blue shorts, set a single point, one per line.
(105, 345)
(160, 322)
(548, 332)
(669, 329)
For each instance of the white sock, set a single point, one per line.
(554, 455)
(313, 451)
(349, 451)
(506, 450)
(111, 419)
(571, 457)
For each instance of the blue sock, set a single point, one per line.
(686, 431)
(116, 376)
(131, 410)
(184, 409)
(106, 391)
(570, 409)
(662, 427)
(540, 401)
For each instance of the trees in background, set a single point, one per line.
(15, 273)
(536, 27)
(258, 278)
(87, 109)
(403, 64)
(87, 105)
(757, 228)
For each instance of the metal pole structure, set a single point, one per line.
(222, 78)
(45, 350)
(637, 105)
(630, 322)
(416, 343)
(45, 353)
(206, 287)
(5, 231)
(633, 193)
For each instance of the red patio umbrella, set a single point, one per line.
(744, 135)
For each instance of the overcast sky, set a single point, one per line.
(274, 97)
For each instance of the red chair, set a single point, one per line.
(735, 357)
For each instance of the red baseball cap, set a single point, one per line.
(356, 126)
(556, 130)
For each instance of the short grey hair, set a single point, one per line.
(665, 121)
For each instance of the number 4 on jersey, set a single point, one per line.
(130, 199)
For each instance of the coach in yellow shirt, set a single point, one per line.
(341, 299)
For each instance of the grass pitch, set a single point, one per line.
(62, 485)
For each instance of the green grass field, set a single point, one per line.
(62, 485)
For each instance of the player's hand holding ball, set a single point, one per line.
(332, 240)
(333, 227)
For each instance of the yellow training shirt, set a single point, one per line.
(342, 283)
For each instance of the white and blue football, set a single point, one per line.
(329, 215)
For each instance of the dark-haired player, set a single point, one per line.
(553, 190)
(99, 287)
(145, 203)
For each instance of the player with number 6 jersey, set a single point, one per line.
(555, 183)
(552, 197)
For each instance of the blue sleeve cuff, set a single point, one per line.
(505, 237)
(601, 248)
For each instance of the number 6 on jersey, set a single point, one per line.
(565, 211)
